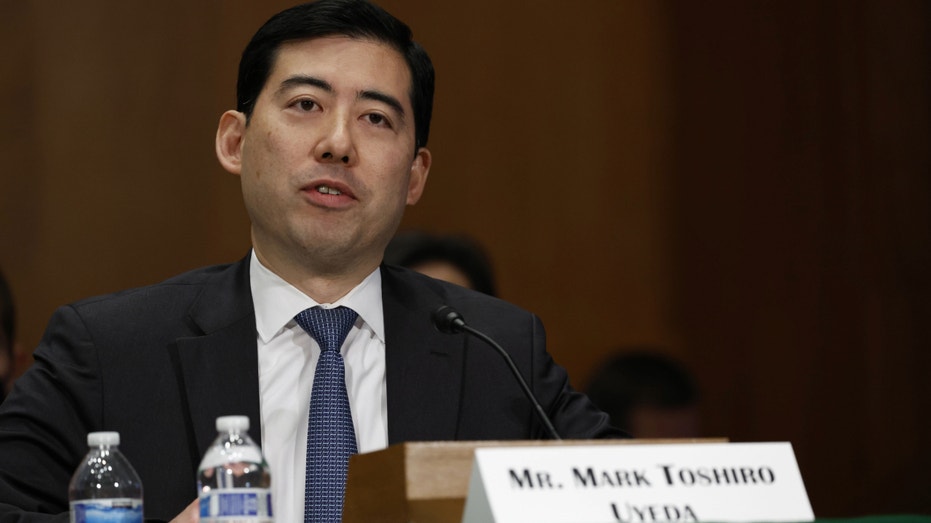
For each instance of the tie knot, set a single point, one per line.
(328, 326)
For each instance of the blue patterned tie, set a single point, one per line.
(331, 438)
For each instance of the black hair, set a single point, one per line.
(413, 248)
(353, 18)
(7, 313)
(7, 330)
(640, 378)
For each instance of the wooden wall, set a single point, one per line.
(803, 235)
(743, 183)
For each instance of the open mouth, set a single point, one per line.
(325, 189)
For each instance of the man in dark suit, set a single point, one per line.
(329, 140)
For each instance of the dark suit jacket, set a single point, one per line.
(160, 363)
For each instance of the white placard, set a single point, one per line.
(723, 482)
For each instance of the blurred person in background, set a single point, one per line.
(648, 394)
(453, 258)
(7, 339)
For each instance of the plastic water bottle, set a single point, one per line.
(105, 487)
(233, 479)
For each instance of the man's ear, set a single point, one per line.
(230, 133)
(420, 168)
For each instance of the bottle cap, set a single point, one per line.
(231, 423)
(99, 439)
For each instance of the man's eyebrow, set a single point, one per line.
(386, 99)
(298, 80)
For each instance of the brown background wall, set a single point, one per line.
(743, 183)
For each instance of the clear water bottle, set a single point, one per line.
(105, 487)
(233, 479)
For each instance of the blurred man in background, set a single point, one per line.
(454, 258)
(647, 394)
(7, 331)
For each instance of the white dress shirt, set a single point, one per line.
(287, 360)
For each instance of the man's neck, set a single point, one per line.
(322, 285)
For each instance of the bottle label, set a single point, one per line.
(117, 510)
(252, 505)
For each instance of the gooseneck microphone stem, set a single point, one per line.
(448, 320)
(520, 379)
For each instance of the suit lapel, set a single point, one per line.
(423, 366)
(219, 367)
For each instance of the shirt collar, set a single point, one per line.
(277, 302)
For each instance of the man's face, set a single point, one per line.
(445, 271)
(327, 159)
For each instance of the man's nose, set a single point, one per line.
(336, 143)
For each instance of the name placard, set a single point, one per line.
(637, 483)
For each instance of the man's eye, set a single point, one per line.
(377, 119)
(306, 105)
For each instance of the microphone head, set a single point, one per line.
(448, 320)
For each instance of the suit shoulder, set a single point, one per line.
(469, 302)
(183, 287)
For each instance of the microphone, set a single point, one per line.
(448, 321)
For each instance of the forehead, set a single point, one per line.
(344, 62)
